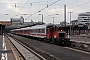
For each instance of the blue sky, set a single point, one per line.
(32, 6)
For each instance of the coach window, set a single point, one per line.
(17, 31)
(37, 30)
(20, 31)
(34, 30)
(43, 30)
(31, 30)
(26, 31)
(40, 30)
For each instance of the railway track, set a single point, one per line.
(22, 52)
(16, 53)
(52, 52)
(31, 47)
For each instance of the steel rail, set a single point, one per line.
(33, 52)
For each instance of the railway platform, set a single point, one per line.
(25, 53)
(12, 50)
(6, 52)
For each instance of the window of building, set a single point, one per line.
(86, 19)
(83, 21)
(83, 17)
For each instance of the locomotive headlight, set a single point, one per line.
(54, 36)
(61, 30)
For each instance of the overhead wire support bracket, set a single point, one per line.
(42, 9)
(27, 3)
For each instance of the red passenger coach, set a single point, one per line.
(21, 31)
(46, 32)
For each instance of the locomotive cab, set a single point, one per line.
(57, 36)
(55, 32)
(50, 32)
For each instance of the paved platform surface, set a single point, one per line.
(10, 53)
(27, 54)
(5, 49)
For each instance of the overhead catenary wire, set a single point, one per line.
(23, 3)
(45, 7)
(54, 3)
(80, 4)
(42, 9)
(23, 6)
(44, 1)
(29, 3)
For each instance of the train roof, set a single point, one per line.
(21, 28)
(36, 27)
(42, 26)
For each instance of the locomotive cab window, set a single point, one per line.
(51, 29)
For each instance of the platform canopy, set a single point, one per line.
(80, 27)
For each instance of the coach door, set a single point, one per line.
(52, 31)
(48, 33)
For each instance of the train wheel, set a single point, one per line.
(52, 40)
(56, 42)
(45, 39)
(68, 42)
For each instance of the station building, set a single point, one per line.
(84, 18)
(17, 21)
